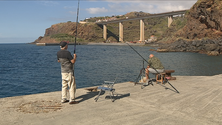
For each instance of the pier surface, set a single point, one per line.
(198, 103)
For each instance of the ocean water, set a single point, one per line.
(30, 69)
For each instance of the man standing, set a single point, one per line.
(68, 80)
(154, 66)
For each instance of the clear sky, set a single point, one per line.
(23, 21)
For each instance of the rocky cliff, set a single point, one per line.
(202, 32)
(66, 31)
(204, 20)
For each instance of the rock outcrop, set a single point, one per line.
(207, 46)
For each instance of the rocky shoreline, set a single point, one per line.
(211, 47)
(117, 44)
(91, 43)
(204, 46)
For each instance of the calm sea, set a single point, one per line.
(29, 69)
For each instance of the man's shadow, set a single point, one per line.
(118, 96)
(87, 96)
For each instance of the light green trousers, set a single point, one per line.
(68, 80)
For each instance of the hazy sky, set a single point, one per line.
(23, 21)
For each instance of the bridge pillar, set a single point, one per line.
(142, 39)
(170, 20)
(121, 31)
(105, 31)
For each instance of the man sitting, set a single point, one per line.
(154, 66)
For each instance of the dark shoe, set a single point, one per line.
(150, 83)
(73, 102)
(64, 100)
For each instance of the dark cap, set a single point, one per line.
(63, 44)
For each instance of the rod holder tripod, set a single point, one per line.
(141, 75)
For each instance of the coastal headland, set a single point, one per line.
(198, 103)
(199, 30)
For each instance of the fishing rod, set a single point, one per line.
(152, 67)
(76, 33)
(76, 27)
(137, 52)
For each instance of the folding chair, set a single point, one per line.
(107, 86)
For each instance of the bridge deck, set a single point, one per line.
(144, 17)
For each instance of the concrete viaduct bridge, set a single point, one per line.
(170, 20)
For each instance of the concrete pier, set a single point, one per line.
(198, 103)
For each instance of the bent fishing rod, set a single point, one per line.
(152, 67)
(76, 27)
(76, 33)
